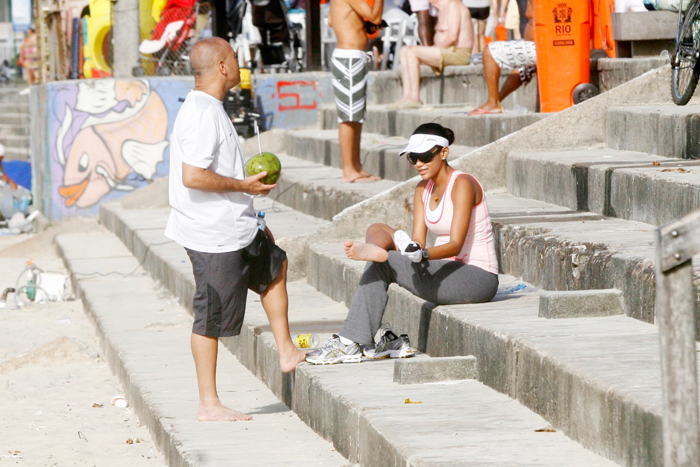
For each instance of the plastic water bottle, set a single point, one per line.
(307, 341)
(261, 220)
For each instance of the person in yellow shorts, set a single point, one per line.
(453, 42)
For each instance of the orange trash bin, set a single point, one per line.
(601, 26)
(563, 40)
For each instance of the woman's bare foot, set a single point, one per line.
(365, 252)
(290, 360)
(220, 413)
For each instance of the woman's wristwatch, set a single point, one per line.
(425, 253)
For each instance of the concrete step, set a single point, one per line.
(662, 129)
(145, 339)
(18, 153)
(469, 131)
(379, 154)
(465, 84)
(316, 189)
(9, 129)
(141, 230)
(14, 118)
(624, 184)
(12, 94)
(363, 412)
(16, 140)
(14, 108)
(597, 379)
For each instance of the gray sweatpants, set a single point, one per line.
(442, 282)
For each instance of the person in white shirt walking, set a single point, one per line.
(212, 216)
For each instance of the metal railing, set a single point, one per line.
(676, 244)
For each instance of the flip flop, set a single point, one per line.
(481, 111)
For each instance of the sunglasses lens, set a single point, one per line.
(412, 158)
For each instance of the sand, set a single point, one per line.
(55, 386)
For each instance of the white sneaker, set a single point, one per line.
(335, 352)
(390, 345)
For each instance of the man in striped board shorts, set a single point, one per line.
(352, 20)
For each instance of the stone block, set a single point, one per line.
(420, 370)
(581, 303)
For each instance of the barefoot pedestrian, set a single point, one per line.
(212, 216)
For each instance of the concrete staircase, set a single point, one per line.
(360, 409)
(15, 124)
(575, 199)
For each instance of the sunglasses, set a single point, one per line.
(424, 157)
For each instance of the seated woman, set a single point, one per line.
(461, 268)
(453, 42)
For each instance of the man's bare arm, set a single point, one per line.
(373, 13)
(208, 180)
(454, 19)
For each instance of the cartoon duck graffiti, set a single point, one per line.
(124, 131)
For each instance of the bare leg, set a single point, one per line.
(276, 304)
(426, 27)
(350, 134)
(480, 39)
(512, 83)
(491, 73)
(379, 240)
(416, 56)
(405, 74)
(205, 350)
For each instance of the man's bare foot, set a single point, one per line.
(365, 252)
(405, 103)
(290, 360)
(360, 177)
(220, 413)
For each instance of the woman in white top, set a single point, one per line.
(461, 267)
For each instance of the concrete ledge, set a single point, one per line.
(316, 189)
(477, 130)
(379, 154)
(556, 367)
(665, 130)
(144, 339)
(613, 72)
(644, 25)
(624, 184)
(419, 370)
(581, 304)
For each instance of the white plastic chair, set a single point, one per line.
(328, 39)
(395, 20)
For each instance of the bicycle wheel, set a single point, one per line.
(684, 62)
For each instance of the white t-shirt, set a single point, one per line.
(203, 136)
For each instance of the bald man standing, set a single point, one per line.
(212, 216)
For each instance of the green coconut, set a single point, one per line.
(264, 162)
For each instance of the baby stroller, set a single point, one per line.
(282, 45)
(166, 53)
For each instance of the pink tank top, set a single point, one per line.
(479, 247)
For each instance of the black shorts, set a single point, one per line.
(482, 13)
(223, 280)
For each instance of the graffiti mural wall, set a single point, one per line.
(106, 138)
(292, 101)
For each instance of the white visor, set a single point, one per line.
(423, 143)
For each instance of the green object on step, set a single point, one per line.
(264, 162)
